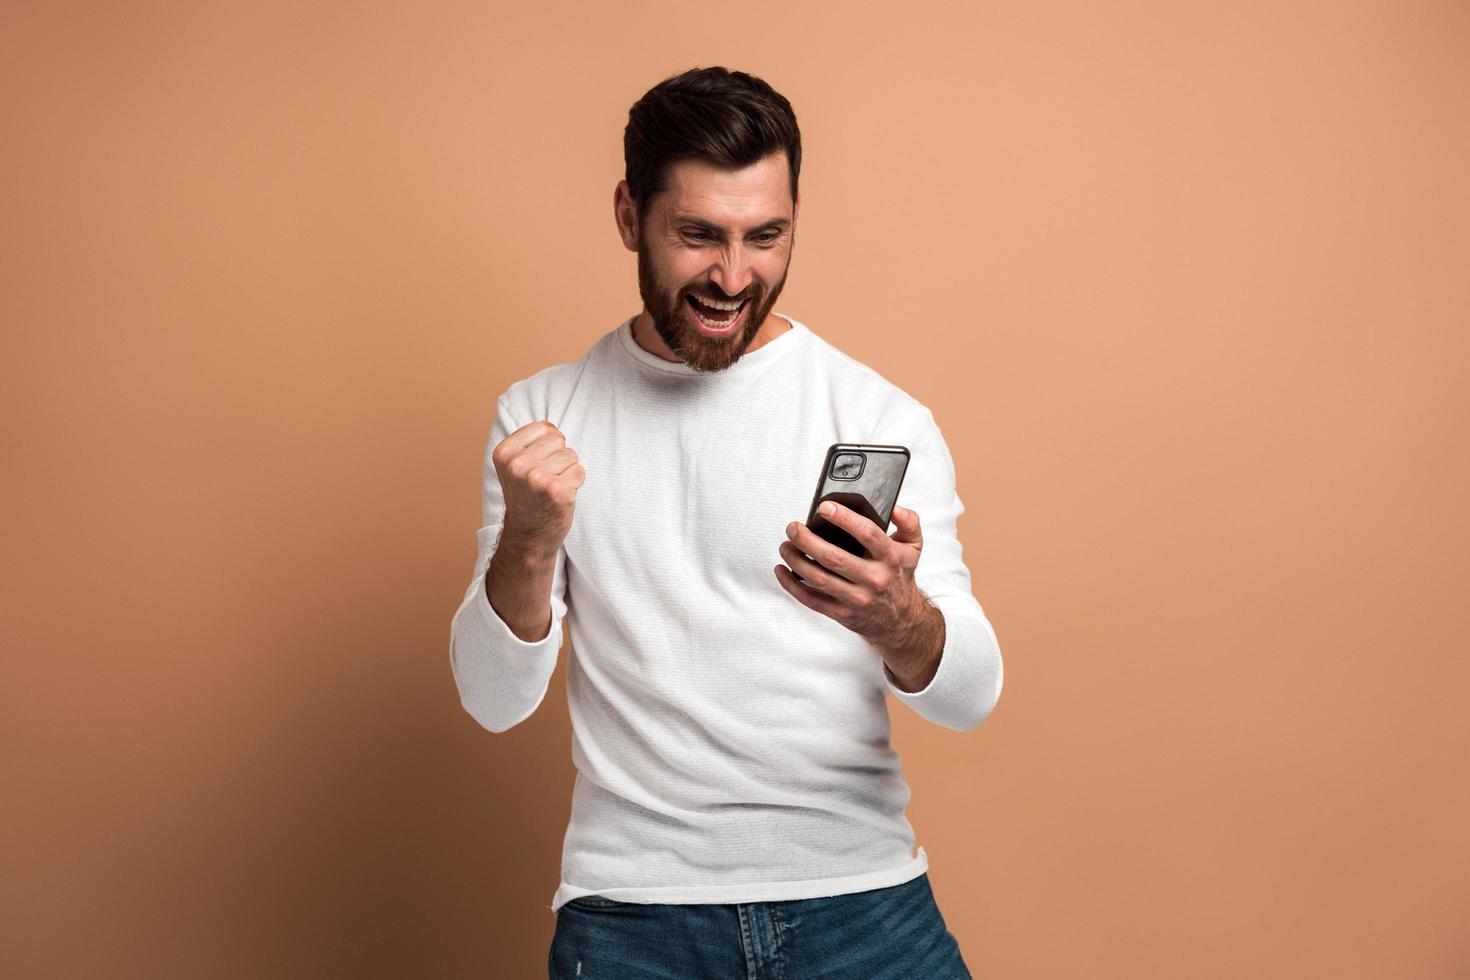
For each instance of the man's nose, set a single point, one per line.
(733, 273)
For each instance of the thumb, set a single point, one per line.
(909, 531)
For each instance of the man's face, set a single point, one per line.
(719, 235)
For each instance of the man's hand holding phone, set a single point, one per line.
(874, 596)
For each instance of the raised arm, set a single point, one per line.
(507, 631)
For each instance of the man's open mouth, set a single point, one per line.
(711, 316)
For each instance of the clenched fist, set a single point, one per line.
(539, 475)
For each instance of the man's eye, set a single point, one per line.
(700, 236)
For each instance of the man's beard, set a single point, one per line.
(703, 354)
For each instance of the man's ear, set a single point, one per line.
(625, 213)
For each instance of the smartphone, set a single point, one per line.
(863, 478)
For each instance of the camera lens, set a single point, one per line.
(847, 466)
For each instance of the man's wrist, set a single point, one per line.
(525, 553)
(518, 583)
(914, 659)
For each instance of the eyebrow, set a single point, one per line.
(689, 219)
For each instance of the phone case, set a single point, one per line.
(863, 478)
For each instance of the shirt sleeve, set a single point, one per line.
(967, 685)
(501, 678)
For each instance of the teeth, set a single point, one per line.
(716, 304)
(717, 324)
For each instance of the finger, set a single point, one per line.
(828, 555)
(817, 577)
(815, 601)
(558, 462)
(909, 530)
(547, 444)
(546, 450)
(869, 534)
(527, 434)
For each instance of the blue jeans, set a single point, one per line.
(894, 933)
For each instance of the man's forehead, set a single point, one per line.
(755, 195)
(724, 217)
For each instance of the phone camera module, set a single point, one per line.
(847, 466)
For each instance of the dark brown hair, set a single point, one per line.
(728, 118)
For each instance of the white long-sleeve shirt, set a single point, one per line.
(731, 744)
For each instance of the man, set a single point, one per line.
(738, 809)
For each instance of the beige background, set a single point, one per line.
(1185, 286)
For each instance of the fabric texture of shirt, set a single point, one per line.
(731, 745)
